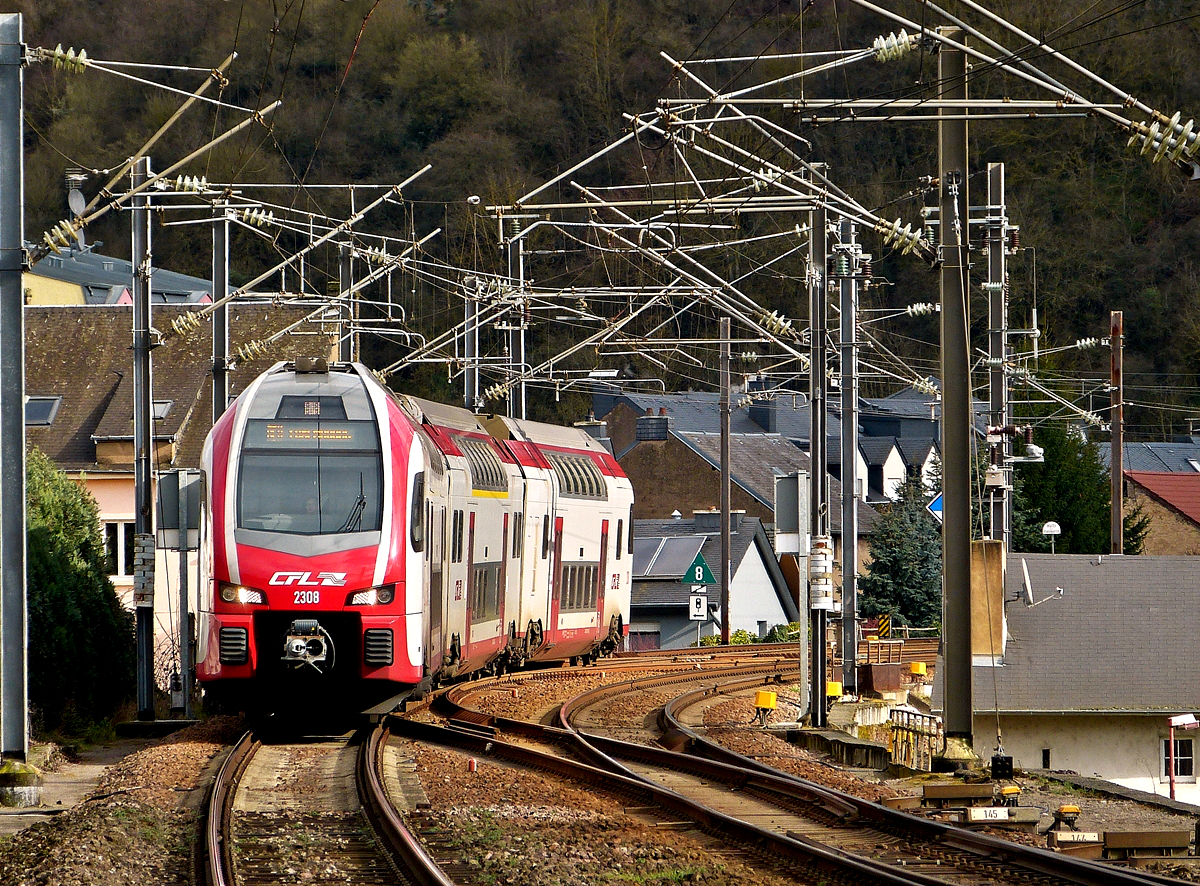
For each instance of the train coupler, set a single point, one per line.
(306, 642)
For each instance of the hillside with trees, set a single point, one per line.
(499, 97)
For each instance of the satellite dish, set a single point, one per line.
(76, 201)
(1026, 585)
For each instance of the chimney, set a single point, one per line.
(651, 426)
(597, 430)
(710, 521)
(762, 412)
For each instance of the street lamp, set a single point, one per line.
(1051, 529)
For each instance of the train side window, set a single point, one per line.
(456, 541)
(631, 530)
(416, 513)
(546, 538)
(429, 524)
(518, 532)
(620, 526)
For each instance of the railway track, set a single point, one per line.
(799, 815)
(313, 813)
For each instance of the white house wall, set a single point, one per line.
(752, 596)
(894, 474)
(1122, 748)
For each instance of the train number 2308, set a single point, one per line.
(306, 597)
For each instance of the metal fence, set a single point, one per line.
(915, 739)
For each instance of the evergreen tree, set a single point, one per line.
(81, 643)
(1073, 489)
(904, 577)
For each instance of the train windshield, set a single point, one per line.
(310, 477)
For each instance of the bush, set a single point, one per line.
(81, 640)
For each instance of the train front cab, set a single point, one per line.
(312, 575)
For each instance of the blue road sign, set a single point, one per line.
(935, 507)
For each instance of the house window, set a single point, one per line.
(40, 411)
(118, 548)
(1185, 764)
(160, 409)
(1045, 758)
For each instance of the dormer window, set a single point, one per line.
(160, 409)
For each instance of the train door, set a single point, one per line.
(502, 578)
(602, 580)
(470, 575)
(556, 576)
(433, 555)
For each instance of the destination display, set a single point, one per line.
(298, 434)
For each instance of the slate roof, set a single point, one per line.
(1175, 457)
(750, 534)
(915, 451)
(697, 412)
(1121, 638)
(1176, 490)
(83, 355)
(757, 459)
(876, 450)
(104, 278)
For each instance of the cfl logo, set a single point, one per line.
(305, 579)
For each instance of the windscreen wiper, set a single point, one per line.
(354, 518)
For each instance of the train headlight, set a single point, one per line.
(372, 596)
(240, 594)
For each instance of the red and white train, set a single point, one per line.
(365, 545)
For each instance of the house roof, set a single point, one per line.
(659, 590)
(1175, 457)
(104, 278)
(82, 354)
(915, 451)
(1176, 490)
(755, 460)
(876, 450)
(1122, 637)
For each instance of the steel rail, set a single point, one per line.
(392, 834)
(218, 851)
(1063, 867)
(813, 856)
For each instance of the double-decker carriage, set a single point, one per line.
(361, 546)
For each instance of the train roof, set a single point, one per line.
(504, 428)
(454, 418)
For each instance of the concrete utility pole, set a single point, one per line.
(1000, 511)
(956, 399)
(821, 548)
(847, 261)
(345, 283)
(14, 681)
(471, 351)
(725, 539)
(1117, 420)
(220, 316)
(142, 446)
(515, 248)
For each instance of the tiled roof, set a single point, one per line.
(1176, 490)
(83, 355)
(757, 459)
(698, 412)
(1121, 638)
(1175, 457)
